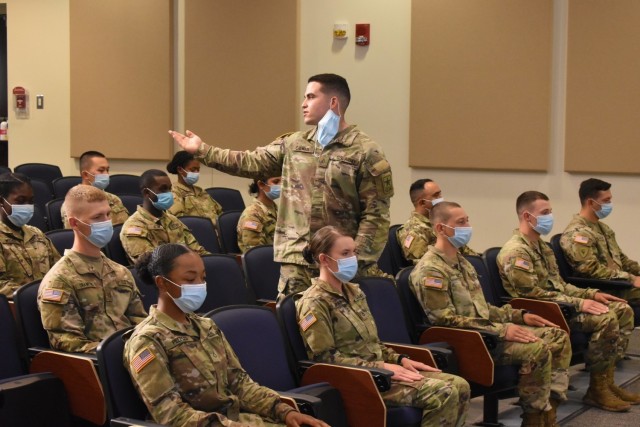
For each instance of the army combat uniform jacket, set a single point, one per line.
(188, 375)
(82, 300)
(257, 225)
(194, 201)
(346, 184)
(119, 212)
(143, 232)
(25, 255)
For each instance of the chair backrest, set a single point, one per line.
(261, 272)
(131, 201)
(204, 232)
(149, 293)
(385, 262)
(61, 239)
(25, 299)
(229, 199)
(565, 269)
(42, 193)
(63, 184)
(487, 275)
(414, 310)
(12, 351)
(45, 172)
(399, 261)
(386, 308)
(256, 337)
(225, 282)
(39, 219)
(54, 216)
(114, 249)
(122, 398)
(4, 169)
(228, 231)
(123, 184)
(288, 318)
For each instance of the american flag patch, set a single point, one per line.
(142, 359)
(250, 225)
(306, 322)
(52, 295)
(581, 239)
(523, 264)
(433, 282)
(407, 241)
(135, 231)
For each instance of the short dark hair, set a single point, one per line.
(525, 200)
(416, 189)
(441, 212)
(180, 159)
(148, 177)
(10, 181)
(159, 262)
(589, 189)
(86, 157)
(333, 83)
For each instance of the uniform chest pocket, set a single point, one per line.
(195, 368)
(90, 296)
(342, 168)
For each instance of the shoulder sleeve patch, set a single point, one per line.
(407, 241)
(522, 264)
(306, 322)
(583, 240)
(133, 231)
(433, 282)
(53, 295)
(142, 359)
(252, 225)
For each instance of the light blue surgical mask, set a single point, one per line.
(274, 192)
(347, 268)
(191, 296)
(544, 224)
(461, 236)
(101, 233)
(20, 214)
(100, 180)
(605, 209)
(328, 127)
(164, 202)
(191, 178)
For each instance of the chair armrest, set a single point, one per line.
(548, 309)
(610, 285)
(444, 356)
(267, 303)
(126, 422)
(415, 352)
(381, 377)
(36, 350)
(304, 403)
(474, 360)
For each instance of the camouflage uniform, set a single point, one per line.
(257, 225)
(25, 255)
(119, 213)
(592, 251)
(143, 232)
(194, 201)
(416, 235)
(339, 328)
(188, 375)
(347, 184)
(529, 270)
(82, 300)
(450, 294)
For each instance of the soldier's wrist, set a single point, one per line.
(402, 356)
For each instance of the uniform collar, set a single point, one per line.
(173, 325)
(80, 264)
(450, 262)
(348, 289)
(185, 189)
(24, 234)
(421, 218)
(266, 209)
(147, 216)
(344, 137)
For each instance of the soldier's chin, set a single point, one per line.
(309, 121)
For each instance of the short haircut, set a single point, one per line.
(10, 181)
(334, 84)
(81, 194)
(416, 190)
(86, 157)
(590, 188)
(148, 177)
(442, 212)
(180, 159)
(524, 201)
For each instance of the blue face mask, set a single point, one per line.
(605, 209)
(545, 224)
(101, 233)
(191, 296)
(100, 180)
(347, 268)
(328, 127)
(20, 214)
(191, 178)
(274, 192)
(164, 202)
(461, 237)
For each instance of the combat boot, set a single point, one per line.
(532, 419)
(551, 416)
(622, 394)
(600, 395)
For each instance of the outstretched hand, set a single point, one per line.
(189, 142)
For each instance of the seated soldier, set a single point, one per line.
(86, 296)
(26, 254)
(257, 224)
(94, 170)
(417, 234)
(151, 225)
(447, 287)
(590, 245)
(528, 269)
(188, 198)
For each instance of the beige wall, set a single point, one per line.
(379, 78)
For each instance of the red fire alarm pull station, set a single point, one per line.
(363, 36)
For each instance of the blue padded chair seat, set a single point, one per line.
(404, 416)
